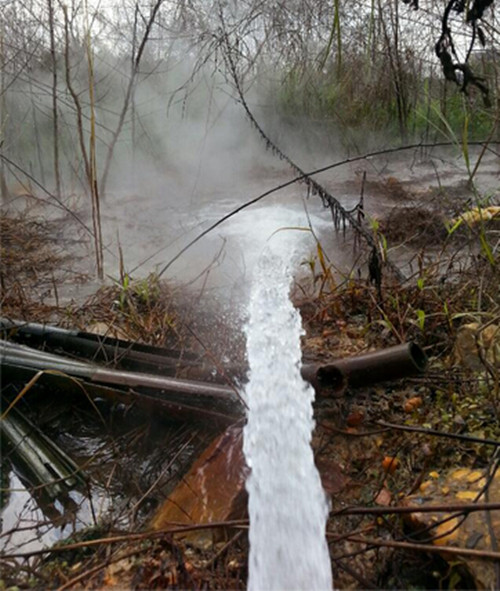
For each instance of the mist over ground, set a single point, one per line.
(144, 104)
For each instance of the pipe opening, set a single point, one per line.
(418, 357)
(330, 379)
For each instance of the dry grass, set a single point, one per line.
(34, 263)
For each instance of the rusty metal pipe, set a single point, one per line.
(393, 363)
(327, 380)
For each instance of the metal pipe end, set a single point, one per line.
(331, 380)
(418, 356)
(327, 380)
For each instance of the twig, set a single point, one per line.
(489, 522)
(217, 364)
(332, 429)
(445, 507)
(88, 573)
(365, 584)
(339, 213)
(437, 433)
(483, 554)
(64, 207)
(297, 179)
(234, 539)
(136, 61)
(149, 535)
(162, 473)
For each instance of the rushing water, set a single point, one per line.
(287, 505)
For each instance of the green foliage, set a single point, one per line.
(123, 284)
(131, 294)
(421, 319)
(359, 95)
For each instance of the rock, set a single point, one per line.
(466, 352)
(212, 491)
(462, 485)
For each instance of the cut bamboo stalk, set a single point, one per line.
(166, 405)
(14, 354)
(40, 462)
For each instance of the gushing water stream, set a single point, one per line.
(287, 505)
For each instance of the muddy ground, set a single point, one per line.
(378, 448)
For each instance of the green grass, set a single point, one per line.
(358, 101)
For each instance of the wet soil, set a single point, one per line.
(134, 460)
(145, 227)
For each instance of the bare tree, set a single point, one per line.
(135, 60)
(55, 127)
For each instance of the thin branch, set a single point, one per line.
(297, 179)
(148, 535)
(129, 91)
(482, 554)
(339, 213)
(445, 507)
(437, 433)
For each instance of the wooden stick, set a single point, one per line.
(483, 554)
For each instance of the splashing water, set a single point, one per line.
(287, 505)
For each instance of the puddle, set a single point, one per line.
(153, 227)
(151, 223)
(130, 465)
(30, 523)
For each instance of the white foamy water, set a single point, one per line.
(287, 505)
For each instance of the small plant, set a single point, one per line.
(379, 237)
(124, 285)
(421, 319)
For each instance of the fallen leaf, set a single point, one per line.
(425, 485)
(473, 476)
(466, 495)
(355, 418)
(384, 497)
(426, 450)
(446, 532)
(412, 404)
(332, 475)
(480, 484)
(109, 581)
(390, 464)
